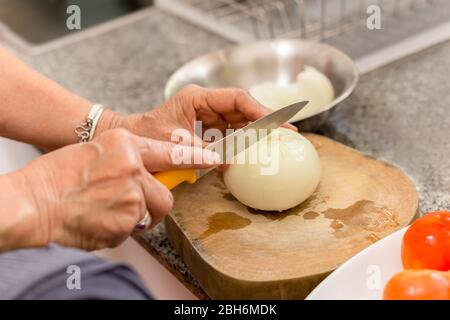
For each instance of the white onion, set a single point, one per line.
(311, 85)
(296, 179)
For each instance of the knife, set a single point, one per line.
(172, 178)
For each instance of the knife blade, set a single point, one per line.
(173, 178)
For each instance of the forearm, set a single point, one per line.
(36, 110)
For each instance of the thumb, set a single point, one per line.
(160, 155)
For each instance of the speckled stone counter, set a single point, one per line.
(126, 68)
(400, 113)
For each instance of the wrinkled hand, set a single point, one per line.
(92, 195)
(216, 108)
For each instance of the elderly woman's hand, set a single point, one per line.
(215, 108)
(92, 195)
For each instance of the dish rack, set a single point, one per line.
(341, 23)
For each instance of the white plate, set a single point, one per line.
(363, 276)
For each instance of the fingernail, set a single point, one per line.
(211, 157)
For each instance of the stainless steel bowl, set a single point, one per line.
(277, 61)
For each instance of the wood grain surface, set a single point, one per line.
(239, 253)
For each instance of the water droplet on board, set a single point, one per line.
(372, 237)
(362, 215)
(337, 224)
(310, 215)
(224, 221)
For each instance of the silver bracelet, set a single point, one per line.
(85, 131)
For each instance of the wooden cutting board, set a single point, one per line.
(238, 253)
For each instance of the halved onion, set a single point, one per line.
(297, 173)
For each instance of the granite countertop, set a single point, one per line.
(400, 113)
(126, 68)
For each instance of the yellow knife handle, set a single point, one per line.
(172, 178)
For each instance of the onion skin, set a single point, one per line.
(297, 177)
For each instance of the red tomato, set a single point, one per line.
(418, 285)
(426, 243)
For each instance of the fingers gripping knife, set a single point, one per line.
(173, 178)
